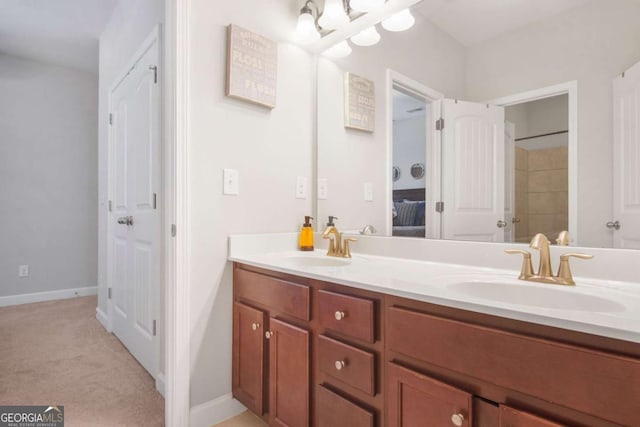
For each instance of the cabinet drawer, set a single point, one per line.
(348, 315)
(413, 399)
(333, 410)
(601, 384)
(279, 295)
(347, 364)
(510, 417)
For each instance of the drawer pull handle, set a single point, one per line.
(340, 364)
(255, 326)
(339, 315)
(268, 335)
(457, 420)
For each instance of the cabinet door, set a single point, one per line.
(510, 417)
(415, 400)
(248, 356)
(288, 375)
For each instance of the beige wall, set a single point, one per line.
(522, 197)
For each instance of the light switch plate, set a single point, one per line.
(231, 182)
(323, 188)
(368, 192)
(301, 187)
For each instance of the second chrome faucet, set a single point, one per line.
(545, 272)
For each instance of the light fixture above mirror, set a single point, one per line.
(355, 20)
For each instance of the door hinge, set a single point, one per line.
(110, 118)
(155, 201)
(173, 230)
(109, 295)
(155, 72)
(440, 124)
(154, 328)
(440, 207)
(110, 206)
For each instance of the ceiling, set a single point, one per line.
(475, 21)
(60, 32)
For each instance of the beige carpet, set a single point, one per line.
(56, 353)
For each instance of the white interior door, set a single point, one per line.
(134, 176)
(626, 159)
(473, 171)
(510, 182)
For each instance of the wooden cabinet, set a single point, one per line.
(248, 356)
(289, 375)
(416, 400)
(337, 356)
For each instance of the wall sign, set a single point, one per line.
(252, 67)
(359, 103)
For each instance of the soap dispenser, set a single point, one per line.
(305, 242)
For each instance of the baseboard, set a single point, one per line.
(47, 296)
(161, 384)
(103, 318)
(215, 411)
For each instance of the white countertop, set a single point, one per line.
(594, 306)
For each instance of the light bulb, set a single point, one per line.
(306, 31)
(339, 50)
(365, 5)
(333, 16)
(400, 21)
(367, 37)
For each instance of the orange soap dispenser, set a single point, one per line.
(305, 242)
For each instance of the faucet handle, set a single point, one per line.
(564, 271)
(347, 249)
(527, 267)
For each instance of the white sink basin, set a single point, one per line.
(542, 296)
(318, 261)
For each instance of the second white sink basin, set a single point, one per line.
(542, 296)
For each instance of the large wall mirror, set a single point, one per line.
(491, 121)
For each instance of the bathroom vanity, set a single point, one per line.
(331, 345)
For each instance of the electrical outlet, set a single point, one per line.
(301, 187)
(23, 271)
(368, 192)
(231, 182)
(323, 188)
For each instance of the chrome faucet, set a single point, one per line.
(337, 246)
(545, 273)
(368, 229)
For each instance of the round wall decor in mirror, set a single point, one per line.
(396, 173)
(417, 170)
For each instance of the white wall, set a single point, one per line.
(130, 24)
(409, 147)
(349, 158)
(269, 148)
(592, 45)
(48, 179)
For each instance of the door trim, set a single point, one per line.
(155, 37)
(431, 97)
(571, 89)
(177, 294)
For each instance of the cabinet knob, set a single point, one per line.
(457, 420)
(339, 364)
(255, 326)
(339, 315)
(268, 335)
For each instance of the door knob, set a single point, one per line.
(125, 220)
(268, 335)
(457, 420)
(614, 224)
(255, 326)
(515, 220)
(501, 224)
